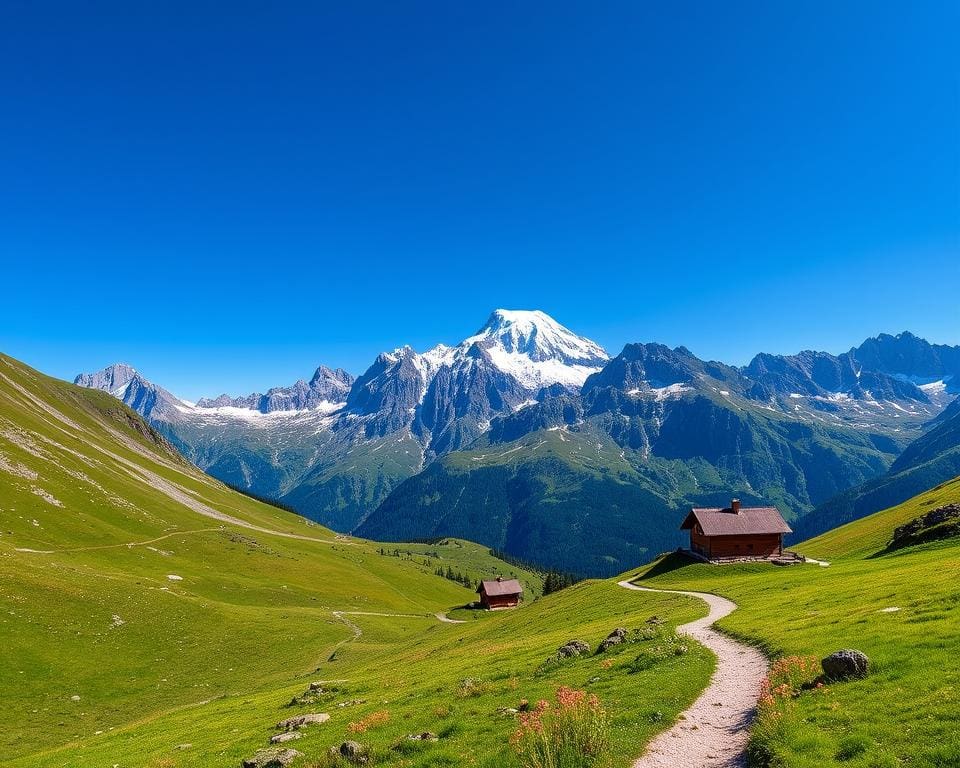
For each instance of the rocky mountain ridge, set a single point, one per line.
(795, 429)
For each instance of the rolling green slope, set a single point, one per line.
(901, 607)
(144, 607)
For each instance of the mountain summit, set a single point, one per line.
(516, 338)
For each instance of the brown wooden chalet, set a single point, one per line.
(735, 532)
(500, 593)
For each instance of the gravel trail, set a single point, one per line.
(714, 731)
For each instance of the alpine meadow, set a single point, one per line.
(425, 385)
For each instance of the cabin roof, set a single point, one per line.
(500, 587)
(723, 521)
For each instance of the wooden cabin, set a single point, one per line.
(500, 593)
(736, 532)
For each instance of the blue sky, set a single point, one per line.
(226, 200)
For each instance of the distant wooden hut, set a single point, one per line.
(736, 532)
(500, 593)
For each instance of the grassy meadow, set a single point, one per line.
(150, 616)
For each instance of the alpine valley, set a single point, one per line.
(532, 440)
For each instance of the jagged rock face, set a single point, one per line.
(327, 386)
(909, 355)
(446, 397)
(819, 374)
(123, 382)
(110, 379)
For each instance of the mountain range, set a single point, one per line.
(530, 438)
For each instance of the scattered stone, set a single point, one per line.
(595, 679)
(891, 609)
(74, 698)
(425, 736)
(845, 664)
(294, 723)
(504, 711)
(351, 703)
(317, 686)
(174, 577)
(182, 747)
(940, 523)
(618, 636)
(656, 620)
(271, 757)
(284, 737)
(573, 648)
(351, 749)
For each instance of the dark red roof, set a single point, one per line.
(717, 521)
(500, 587)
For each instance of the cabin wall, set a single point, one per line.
(699, 542)
(757, 545)
(499, 601)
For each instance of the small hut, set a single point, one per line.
(499, 593)
(736, 532)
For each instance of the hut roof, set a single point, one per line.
(500, 587)
(718, 521)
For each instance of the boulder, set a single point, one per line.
(317, 686)
(271, 757)
(284, 737)
(351, 749)
(619, 635)
(573, 648)
(293, 723)
(845, 665)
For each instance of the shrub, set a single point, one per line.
(370, 721)
(571, 734)
(471, 686)
(787, 679)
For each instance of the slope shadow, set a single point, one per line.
(667, 564)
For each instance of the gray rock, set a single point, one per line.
(293, 723)
(351, 749)
(284, 737)
(573, 648)
(271, 757)
(425, 736)
(317, 686)
(846, 664)
(619, 635)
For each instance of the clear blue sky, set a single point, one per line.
(227, 195)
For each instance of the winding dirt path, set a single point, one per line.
(714, 731)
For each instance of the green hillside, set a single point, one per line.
(151, 616)
(902, 608)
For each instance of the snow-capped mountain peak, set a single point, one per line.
(539, 337)
(535, 349)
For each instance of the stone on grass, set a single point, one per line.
(845, 665)
(271, 757)
(573, 648)
(351, 749)
(619, 635)
(425, 736)
(293, 723)
(317, 686)
(281, 738)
